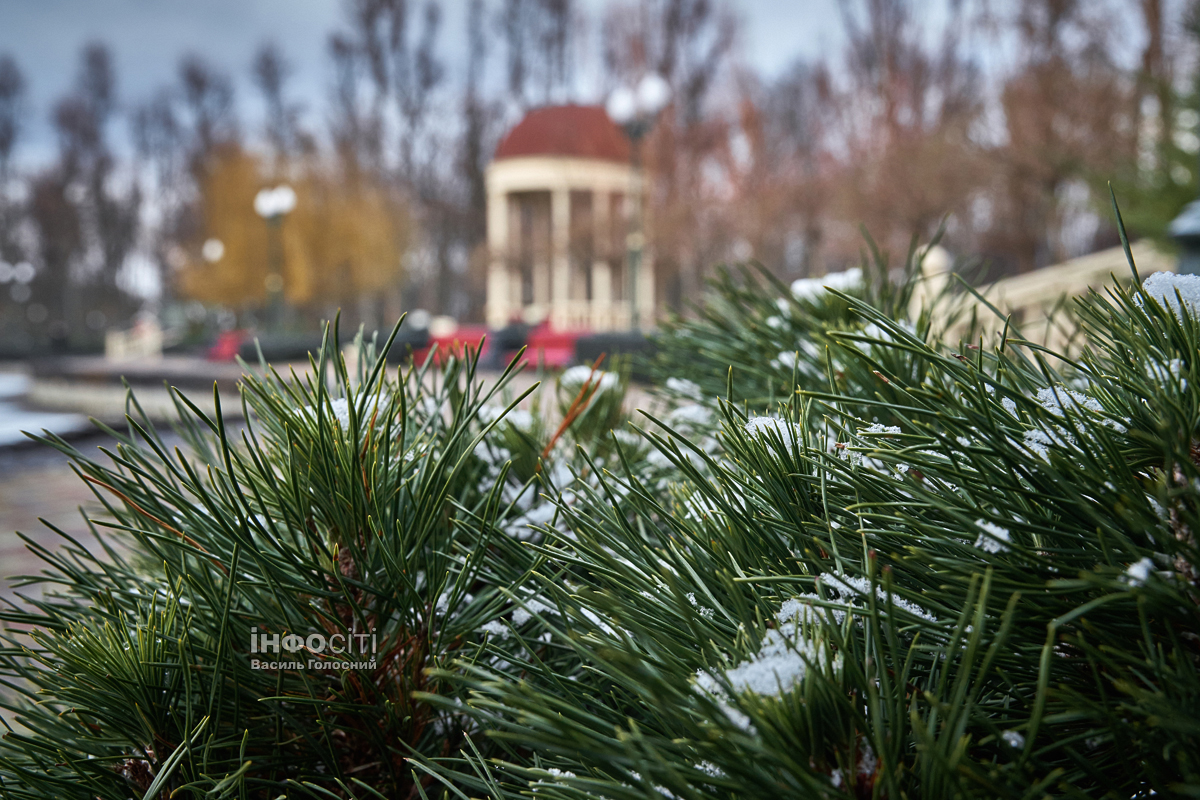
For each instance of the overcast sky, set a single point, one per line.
(148, 37)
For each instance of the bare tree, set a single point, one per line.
(515, 34)
(553, 47)
(208, 101)
(355, 130)
(271, 72)
(372, 23)
(107, 217)
(1155, 76)
(417, 73)
(60, 238)
(157, 132)
(538, 38)
(689, 43)
(81, 118)
(795, 111)
(180, 135)
(395, 62)
(904, 115)
(1067, 117)
(479, 123)
(86, 227)
(12, 92)
(161, 150)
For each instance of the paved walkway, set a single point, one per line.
(38, 482)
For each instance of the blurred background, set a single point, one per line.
(180, 178)
(135, 137)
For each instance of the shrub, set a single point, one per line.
(972, 577)
(278, 594)
(890, 566)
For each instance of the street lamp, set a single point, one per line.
(635, 109)
(213, 250)
(273, 205)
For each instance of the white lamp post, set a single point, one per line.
(273, 205)
(635, 109)
(213, 250)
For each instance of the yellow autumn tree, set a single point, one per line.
(344, 239)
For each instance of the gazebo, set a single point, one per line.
(557, 218)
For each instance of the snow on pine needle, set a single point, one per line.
(1170, 290)
(781, 662)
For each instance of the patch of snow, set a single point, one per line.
(775, 669)
(801, 609)
(340, 408)
(519, 418)
(993, 539)
(764, 427)
(684, 388)
(853, 456)
(15, 419)
(1055, 400)
(814, 288)
(526, 526)
(430, 408)
(699, 507)
(779, 665)
(602, 381)
(530, 607)
(495, 628)
(805, 357)
(595, 619)
(692, 414)
(1138, 572)
(785, 360)
(1040, 442)
(866, 760)
(1162, 513)
(704, 611)
(1168, 373)
(874, 331)
(1162, 287)
(852, 585)
(628, 439)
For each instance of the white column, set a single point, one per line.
(540, 254)
(645, 289)
(498, 294)
(601, 272)
(560, 233)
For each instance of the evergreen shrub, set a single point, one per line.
(841, 557)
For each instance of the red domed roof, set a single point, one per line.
(579, 131)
